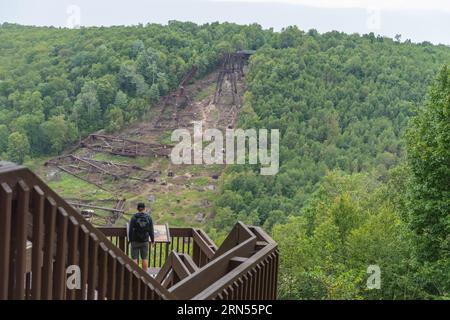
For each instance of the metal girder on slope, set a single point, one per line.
(175, 101)
(116, 212)
(233, 69)
(124, 147)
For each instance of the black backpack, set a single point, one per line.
(140, 231)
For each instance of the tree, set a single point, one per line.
(114, 119)
(4, 134)
(58, 133)
(18, 147)
(428, 143)
(346, 226)
(428, 146)
(87, 112)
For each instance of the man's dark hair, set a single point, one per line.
(141, 205)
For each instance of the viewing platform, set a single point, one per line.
(43, 239)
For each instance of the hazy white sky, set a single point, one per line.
(427, 20)
(440, 5)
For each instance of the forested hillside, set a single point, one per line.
(57, 85)
(364, 150)
(342, 103)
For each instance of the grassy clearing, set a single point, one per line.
(181, 209)
(164, 138)
(71, 187)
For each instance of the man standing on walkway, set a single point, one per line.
(140, 230)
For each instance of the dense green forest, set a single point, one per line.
(57, 85)
(364, 151)
(345, 197)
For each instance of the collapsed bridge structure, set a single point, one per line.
(232, 68)
(175, 101)
(125, 147)
(87, 210)
(94, 171)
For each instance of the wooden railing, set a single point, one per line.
(33, 216)
(245, 266)
(41, 235)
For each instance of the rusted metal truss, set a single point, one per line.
(233, 69)
(175, 101)
(109, 220)
(186, 79)
(94, 171)
(124, 147)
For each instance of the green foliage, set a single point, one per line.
(347, 225)
(428, 205)
(343, 102)
(82, 75)
(114, 119)
(18, 147)
(4, 134)
(340, 102)
(58, 133)
(343, 199)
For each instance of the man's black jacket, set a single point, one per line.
(151, 232)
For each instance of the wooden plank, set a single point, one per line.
(203, 245)
(112, 270)
(265, 289)
(167, 281)
(245, 291)
(255, 283)
(73, 232)
(190, 264)
(37, 211)
(236, 261)
(20, 240)
(270, 277)
(49, 242)
(29, 257)
(178, 266)
(5, 237)
(59, 275)
(276, 275)
(128, 282)
(83, 239)
(258, 291)
(102, 271)
(136, 286)
(120, 283)
(28, 284)
(93, 265)
(165, 268)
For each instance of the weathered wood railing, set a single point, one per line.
(57, 237)
(41, 235)
(244, 267)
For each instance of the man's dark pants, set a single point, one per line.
(139, 248)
